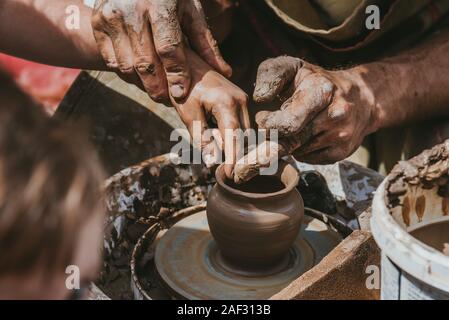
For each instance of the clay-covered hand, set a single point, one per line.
(214, 96)
(142, 40)
(325, 114)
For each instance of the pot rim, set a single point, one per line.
(283, 166)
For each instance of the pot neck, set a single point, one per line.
(286, 173)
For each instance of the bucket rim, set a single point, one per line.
(408, 253)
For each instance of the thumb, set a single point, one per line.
(273, 77)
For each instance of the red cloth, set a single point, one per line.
(46, 84)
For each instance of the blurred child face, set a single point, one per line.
(59, 199)
(72, 281)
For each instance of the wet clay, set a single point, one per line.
(428, 169)
(273, 75)
(249, 166)
(255, 225)
(435, 235)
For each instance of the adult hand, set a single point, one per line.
(325, 114)
(142, 40)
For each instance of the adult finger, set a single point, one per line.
(229, 125)
(104, 44)
(168, 41)
(274, 76)
(208, 141)
(213, 150)
(313, 95)
(202, 40)
(116, 30)
(146, 62)
(195, 120)
(103, 41)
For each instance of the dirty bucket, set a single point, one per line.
(413, 197)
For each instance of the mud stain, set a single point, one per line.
(406, 211)
(420, 207)
(427, 170)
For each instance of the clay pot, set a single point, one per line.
(255, 224)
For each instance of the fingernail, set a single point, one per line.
(177, 91)
(229, 171)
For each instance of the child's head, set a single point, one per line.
(51, 212)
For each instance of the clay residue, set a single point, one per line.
(426, 170)
(267, 152)
(128, 9)
(274, 76)
(159, 191)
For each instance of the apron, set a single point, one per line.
(350, 34)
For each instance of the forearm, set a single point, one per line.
(409, 87)
(37, 30)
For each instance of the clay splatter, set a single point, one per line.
(406, 211)
(420, 207)
(427, 170)
(128, 9)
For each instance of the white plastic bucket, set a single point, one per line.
(410, 269)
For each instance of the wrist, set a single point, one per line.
(382, 89)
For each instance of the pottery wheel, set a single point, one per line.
(189, 264)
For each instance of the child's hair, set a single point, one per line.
(50, 185)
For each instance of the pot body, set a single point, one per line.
(254, 232)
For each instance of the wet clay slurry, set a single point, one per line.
(255, 225)
(435, 235)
